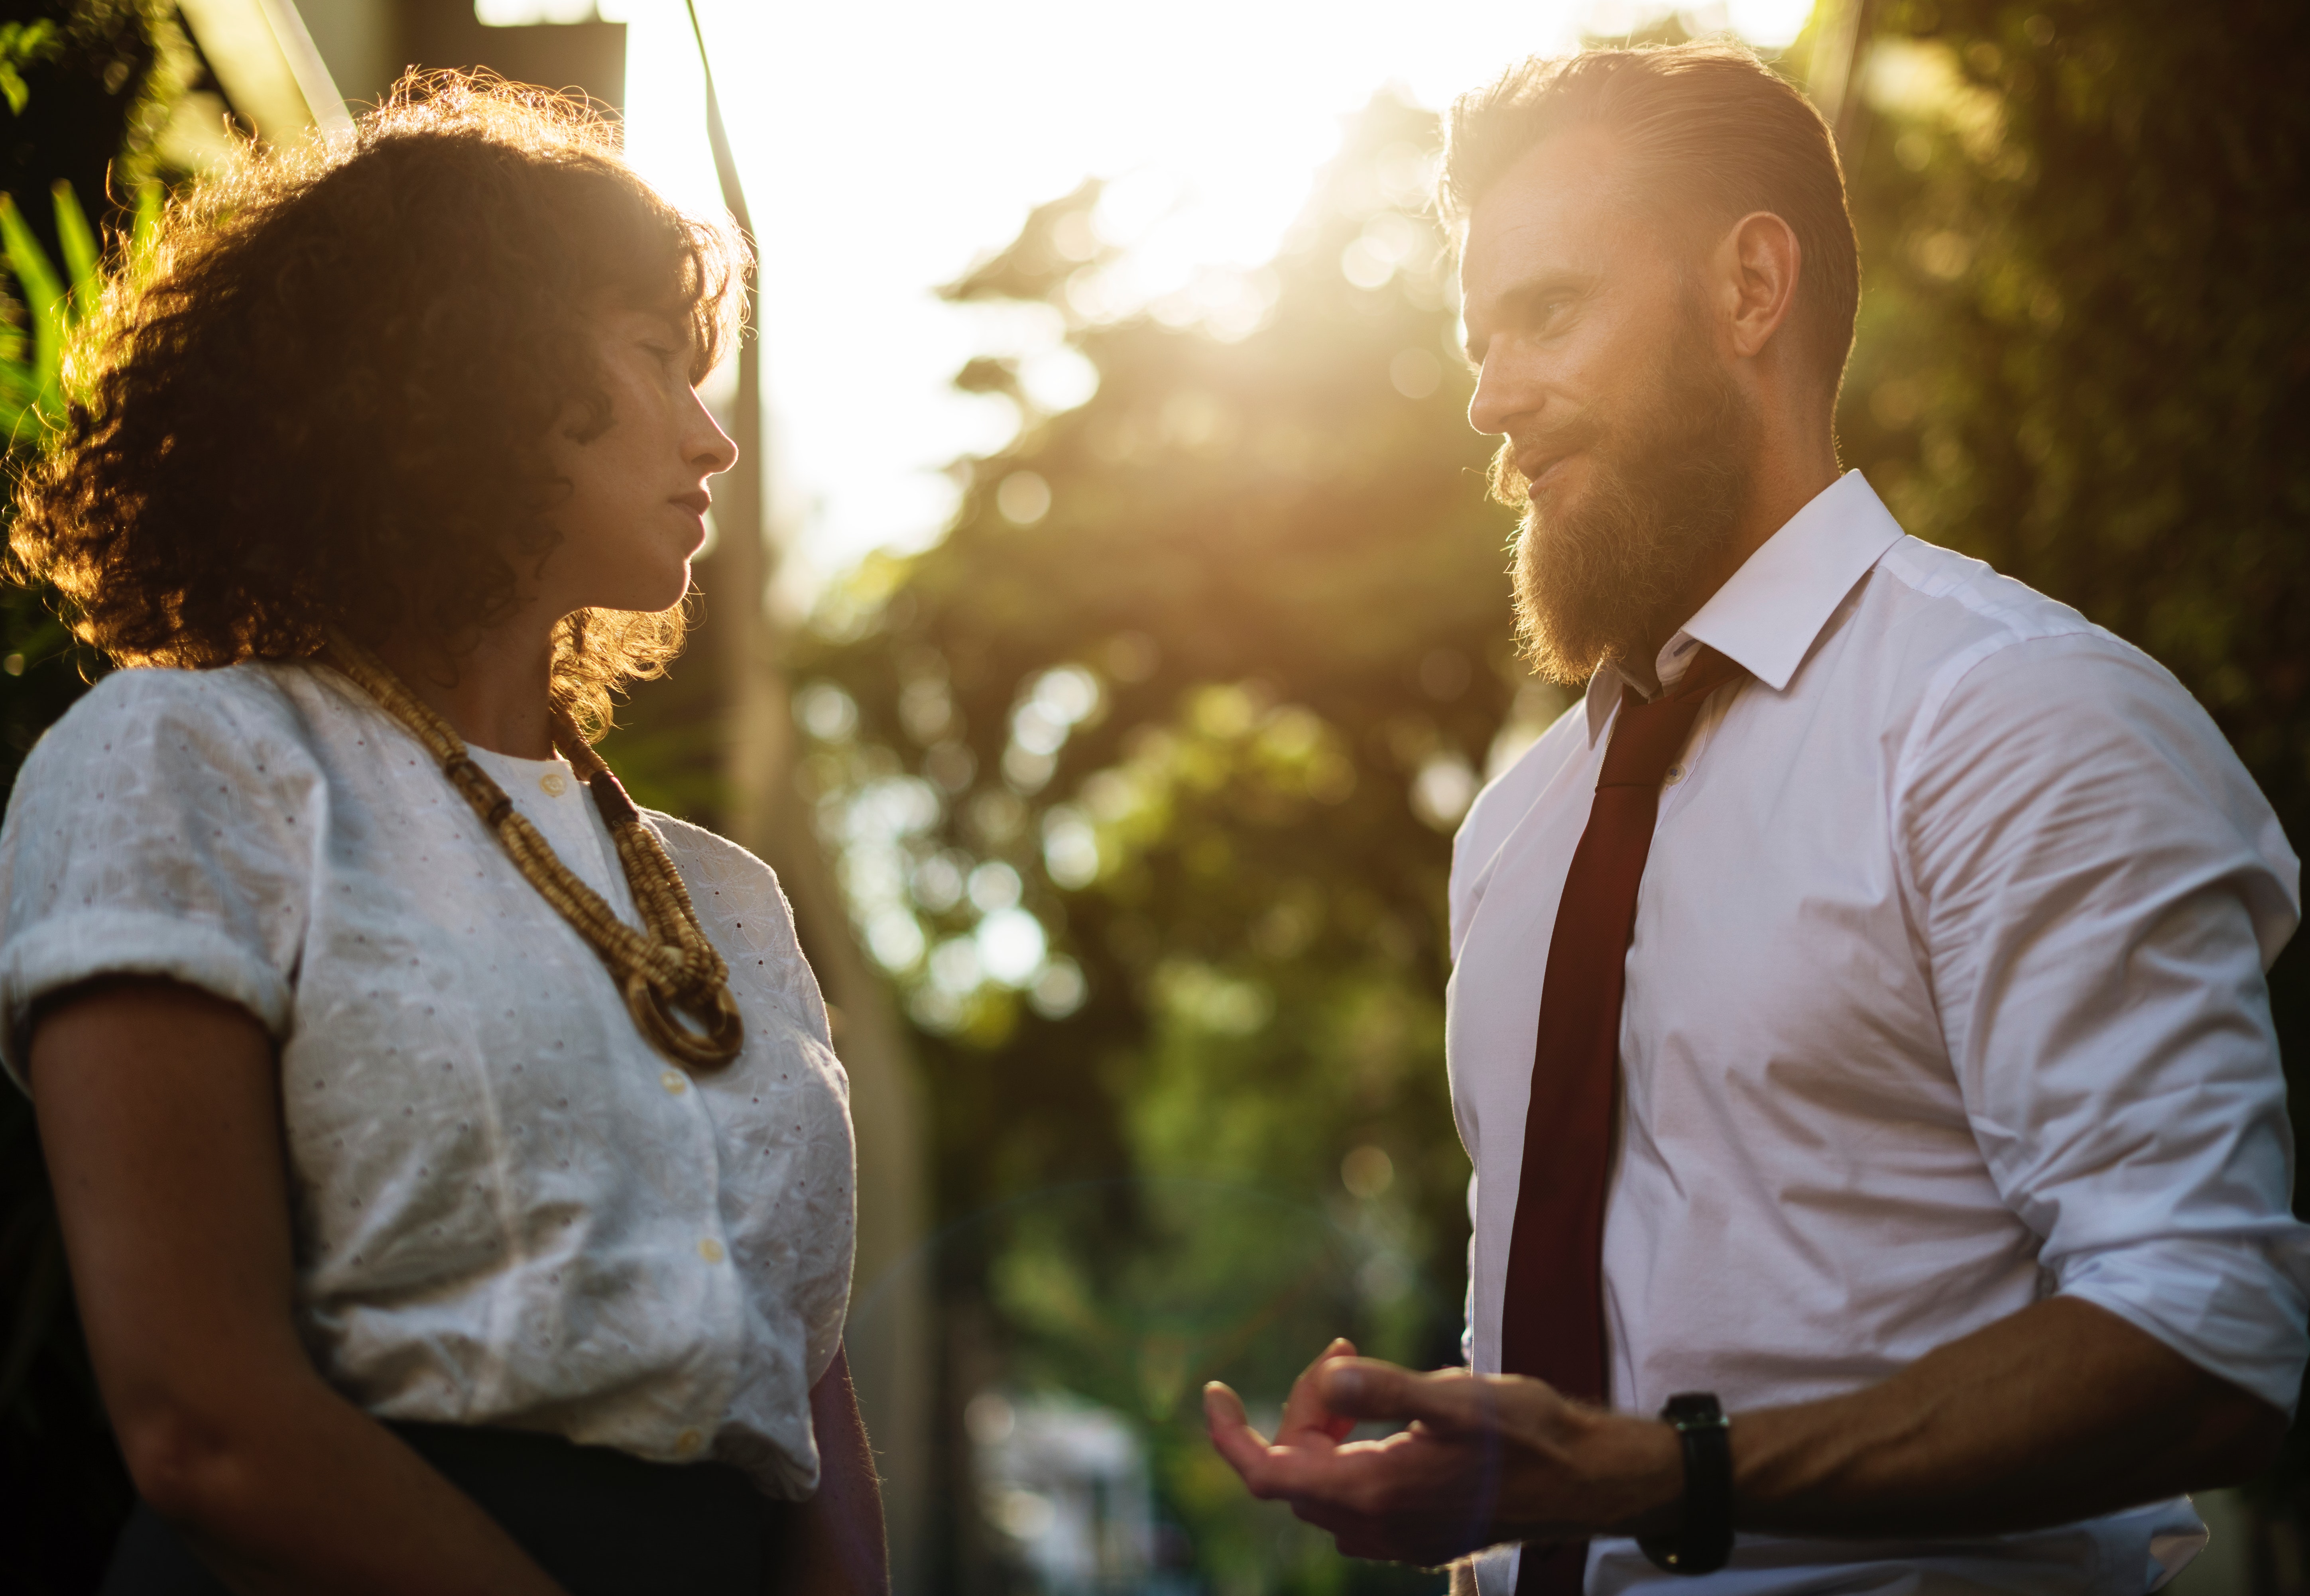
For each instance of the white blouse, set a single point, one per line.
(508, 1208)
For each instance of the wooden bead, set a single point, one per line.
(667, 973)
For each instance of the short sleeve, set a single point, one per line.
(2100, 887)
(164, 827)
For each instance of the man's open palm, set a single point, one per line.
(1433, 1491)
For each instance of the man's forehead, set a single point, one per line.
(1563, 204)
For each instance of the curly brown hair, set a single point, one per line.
(321, 397)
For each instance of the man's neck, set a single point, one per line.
(1786, 482)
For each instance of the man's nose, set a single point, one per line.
(1499, 397)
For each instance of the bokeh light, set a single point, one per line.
(884, 148)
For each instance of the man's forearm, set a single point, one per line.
(2058, 1412)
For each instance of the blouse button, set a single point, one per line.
(688, 1442)
(1675, 774)
(676, 1083)
(711, 1250)
(554, 783)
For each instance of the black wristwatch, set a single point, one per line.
(1704, 1541)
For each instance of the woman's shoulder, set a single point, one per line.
(251, 695)
(166, 724)
(707, 856)
(744, 910)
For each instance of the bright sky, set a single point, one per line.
(885, 147)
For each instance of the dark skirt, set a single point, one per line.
(602, 1523)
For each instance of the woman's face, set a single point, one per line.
(636, 510)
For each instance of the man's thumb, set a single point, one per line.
(1367, 1388)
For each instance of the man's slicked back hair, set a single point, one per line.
(1711, 134)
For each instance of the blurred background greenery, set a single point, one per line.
(1138, 786)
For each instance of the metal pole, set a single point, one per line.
(893, 1347)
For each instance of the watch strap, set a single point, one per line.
(1703, 1543)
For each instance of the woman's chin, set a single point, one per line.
(651, 596)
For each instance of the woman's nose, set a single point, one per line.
(711, 449)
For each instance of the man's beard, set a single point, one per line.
(1601, 579)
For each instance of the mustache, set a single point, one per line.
(1506, 481)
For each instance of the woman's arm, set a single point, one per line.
(160, 1114)
(835, 1545)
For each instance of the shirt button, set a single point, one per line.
(711, 1250)
(1675, 774)
(554, 783)
(676, 1083)
(688, 1442)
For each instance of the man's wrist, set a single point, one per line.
(1638, 1465)
(1702, 1540)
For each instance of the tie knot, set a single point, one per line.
(1647, 737)
(1708, 672)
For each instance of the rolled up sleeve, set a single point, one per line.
(2100, 887)
(161, 828)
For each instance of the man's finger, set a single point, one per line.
(1367, 1388)
(1305, 1410)
(1244, 1447)
(1224, 1410)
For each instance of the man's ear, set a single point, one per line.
(1756, 268)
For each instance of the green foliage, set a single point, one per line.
(97, 86)
(57, 1461)
(42, 669)
(1173, 692)
(23, 44)
(1142, 778)
(48, 1406)
(31, 360)
(1172, 679)
(2085, 350)
(2088, 354)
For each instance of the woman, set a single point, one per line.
(453, 1165)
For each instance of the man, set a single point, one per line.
(1858, 1022)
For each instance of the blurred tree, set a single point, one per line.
(1145, 778)
(1143, 775)
(88, 89)
(2085, 357)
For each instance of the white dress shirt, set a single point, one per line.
(1945, 995)
(508, 1208)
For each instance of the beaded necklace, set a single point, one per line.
(669, 974)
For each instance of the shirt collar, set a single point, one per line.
(1764, 619)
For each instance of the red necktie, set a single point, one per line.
(1552, 1312)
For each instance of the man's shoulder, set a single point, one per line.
(1965, 604)
(2016, 701)
(1931, 621)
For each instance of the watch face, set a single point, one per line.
(1693, 1408)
